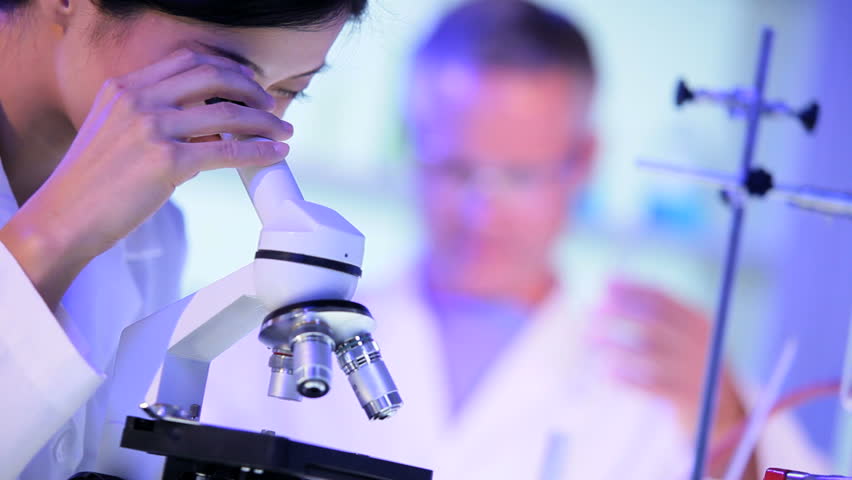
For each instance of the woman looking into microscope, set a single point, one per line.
(101, 109)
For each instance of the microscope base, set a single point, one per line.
(221, 453)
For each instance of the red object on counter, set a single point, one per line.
(775, 474)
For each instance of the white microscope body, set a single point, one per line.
(306, 269)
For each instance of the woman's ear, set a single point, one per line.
(59, 12)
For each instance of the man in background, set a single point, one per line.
(504, 371)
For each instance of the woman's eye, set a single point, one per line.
(289, 94)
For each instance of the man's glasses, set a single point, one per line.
(513, 180)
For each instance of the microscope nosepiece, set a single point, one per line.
(361, 361)
(310, 331)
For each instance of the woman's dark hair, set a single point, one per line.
(296, 14)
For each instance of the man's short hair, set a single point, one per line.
(506, 33)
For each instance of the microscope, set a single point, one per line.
(298, 288)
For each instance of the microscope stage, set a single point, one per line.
(222, 453)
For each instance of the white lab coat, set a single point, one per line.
(544, 411)
(52, 363)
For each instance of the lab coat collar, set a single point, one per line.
(557, 314)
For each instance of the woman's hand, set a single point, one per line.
(130, 154)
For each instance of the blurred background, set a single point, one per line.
(350, 153)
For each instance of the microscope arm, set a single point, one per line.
(164, 359)
(297, 289)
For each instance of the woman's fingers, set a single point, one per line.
(188, 76)
(205, 81)
(224, 117)
(180, 61)
(192, 158)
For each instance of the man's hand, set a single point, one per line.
(659, 345)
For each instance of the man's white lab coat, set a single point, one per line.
(545, 410)
(52, 363)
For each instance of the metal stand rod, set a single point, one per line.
(714, 359)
